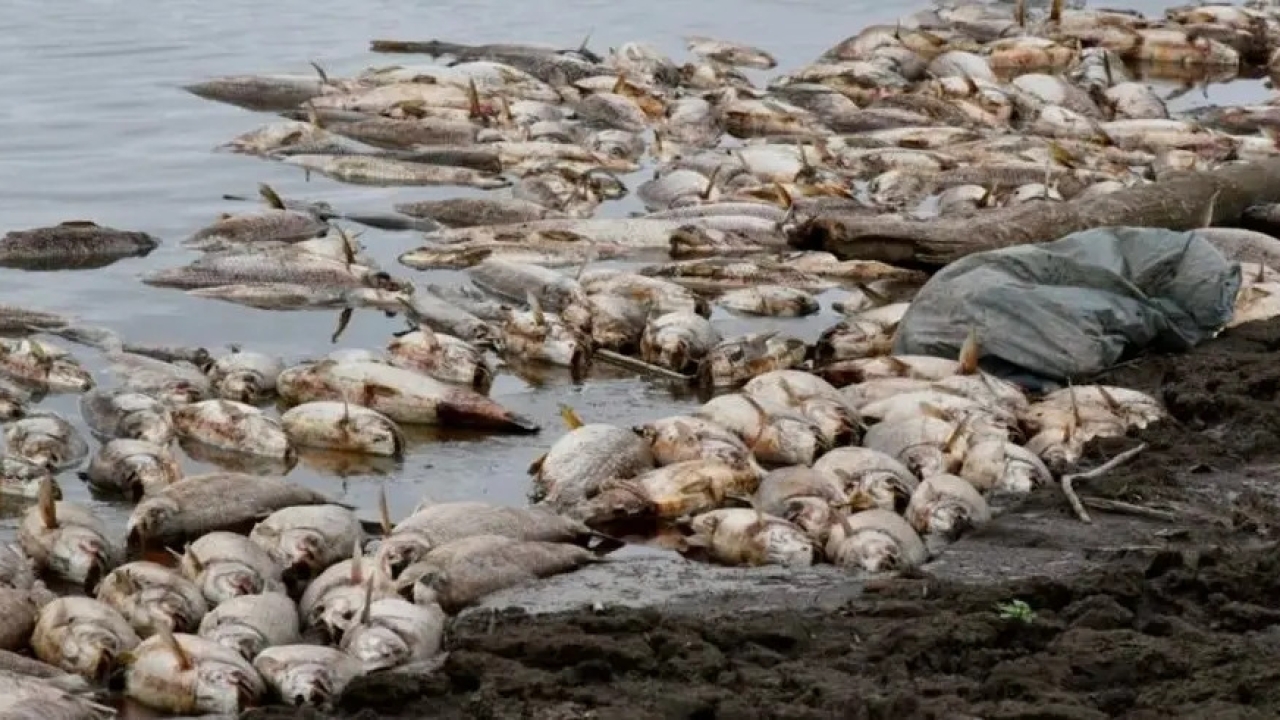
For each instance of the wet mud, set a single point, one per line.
(1166, 606)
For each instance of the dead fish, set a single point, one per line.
(517, 281)
(939, 402)
(461, 573)
(852, 339)
(16, 320)
(366, 170)
(735, 361)
(773, 300)
(205, 503)
(78, 244)
(776, 437)
(433, 525)
(24, 696)
(112, 414)
(43, 365)
(926, 445)
(443, 357)
(246, 377)
(67, 540)
(1090, 403)
(737, 536)
(472, 212)
(344, 427)
(402, 395)
(946, 506)
(307, 674)
(20, 608)
(189, 675)
(262, 93)
(583, 458)
(1001, 466)
(263, 226)
(21, 477)
(283, 296)
(680, 438)
(285, 266)
(393, 632)
(226, 565)
(536, 336)
(233, 426)
(132, 468)
(82, 636)
(47, 439)
(427, 309)
(658, 296)
(875, 541)
(16, 569)
(799, 495)
(715, 274)
(678, 341)
(151, 596)
(921, 367)
(869, 478)
(307, 539)
(13, 664)
(249, 624)
(669, 492)
(471, 299)
(331, 603)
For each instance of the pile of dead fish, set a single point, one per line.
(834, 451)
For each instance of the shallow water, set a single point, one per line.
(96, 127)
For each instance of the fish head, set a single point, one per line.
(151, 517)
(836, 421)
(875, 551)
(148, 473)
(303, 549)
(81, 556)
(811, 514)
(154, 426)
(306, 684)
(924, 460)
(222, 581)
(788, 441)
(170, 609)
(90, 650)
(377, 648)
(1018, 477)
(947, 518)
(882, 490)
(221, 687)
(400, 550)
(238, 637)
(384, 281)
(384, 435)
(339, 611)
(180, 393)
(244, 386)
(67, 374)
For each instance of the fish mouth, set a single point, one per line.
(580, 362)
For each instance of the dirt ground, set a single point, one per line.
(1172, 613)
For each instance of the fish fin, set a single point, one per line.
(900, 366)
(507, 118)
(473, 100)
(366, 611)
(48, 506)
(324, 76)
(1106, 68)
(384, 513)
(535, 308)
(619, 84)
(705, 195)
(970, 351)
(357, 564)
(761, 413)
(346, 415)
(933, 411)
(271, 197)
(570, 416)
(1055, 11)
(344, 319)
(1206, 218)
(180, 653)
(955, 435)
(313, 116)
(1075, 405)
(535, 467)
(1020, 13)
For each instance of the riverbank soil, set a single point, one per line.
(1170, 613)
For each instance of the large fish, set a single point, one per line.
(124, 414)
(72, 245)
(83, 636)
(235, 427)
(307, 674)
(151, 596)
(344, 427)
(307, 539)
(189, 675)
(68, 540)
(402, 395)
(249, 624)
(588, 455)
(226, 565)
(132, 468)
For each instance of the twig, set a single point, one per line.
(1125, 508)
(631, 363)
(1068, 481)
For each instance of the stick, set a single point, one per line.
(631, 363)
(1125, 508)
(1068, 480)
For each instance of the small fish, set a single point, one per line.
(150, 596)
(82, 636)
(737, 536)
(875, 541)
(226, 565)
(264, 226)
(245, 377)
(130, 415)
(946, 506)
(307, 674)
(132, 468)
(249, 624)
(402, 395)
(78, 244)
(43, 365)
(307, 539)
(344, 427)
(46, 439)
(201, 504)
(443, 357)
(586, 456)
(262, 93)
(1001, 466)
(393, 632)
(189, 675)
(460, 573)
(233, 426)
(68, 540)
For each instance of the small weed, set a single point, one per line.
(1016, 610)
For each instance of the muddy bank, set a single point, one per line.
(1172, 612)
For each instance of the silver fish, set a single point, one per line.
(307, 539)
(128, 415)
(224, 565)
(68, 540)
(678, 341)
(395, 632)
(443, 357)
(246, 377)
(132, 468)
(189, 675)
(271, 225)
(946, 506)
(233, 426)
(77, 244)
(249, 624)
(82, 636)
(47, 439)
(307, 674)
(588, 455)
(875, 541)
(344, 427)
(150, 596)
(364, 170)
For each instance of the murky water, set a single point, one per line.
(95, 127)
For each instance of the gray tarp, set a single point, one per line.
(1074, 306)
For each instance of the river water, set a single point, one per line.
(96, 127)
